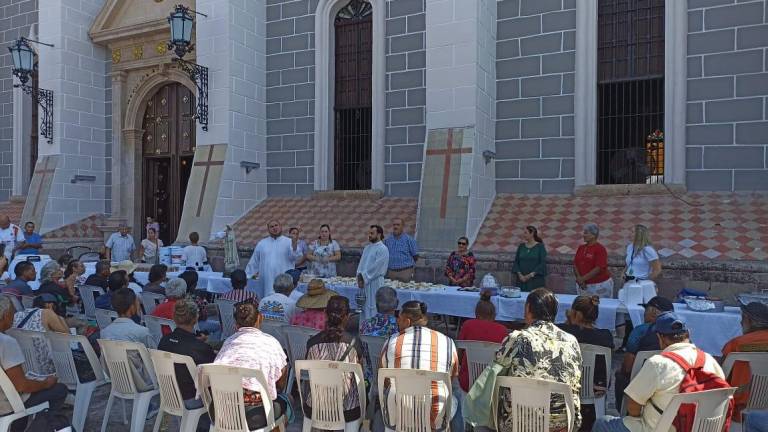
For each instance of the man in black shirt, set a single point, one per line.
(183, 341)
(101, 277)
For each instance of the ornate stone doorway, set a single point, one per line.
(168, 146)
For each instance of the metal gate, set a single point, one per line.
(352, 107)
(630, 92)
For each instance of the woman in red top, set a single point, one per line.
(483, 328)
(175, 289)
(590, 265)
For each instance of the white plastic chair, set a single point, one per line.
(222, 386)
(297, 338)
(410, 391)
(27, 340)
(150, 301)
(61, 353)
(88, 297)
(711, 408)
(327, 383)
(758, 382)
(121, 370)
(479, 356)
(17, 306)
(640, 358)
(275, 329)
(589, 354)
(19, 410)
(104, 317)
(156, 324)
(227, 316)
(529, 402)
(171, 399)
(375, 345)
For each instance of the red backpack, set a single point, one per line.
(696, 379)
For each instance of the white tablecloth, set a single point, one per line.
(709, 331)
(212, 282)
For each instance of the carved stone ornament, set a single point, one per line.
(138, 52)
(116, 55)
(162, 47)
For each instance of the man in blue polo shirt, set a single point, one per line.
(32, 241)
(403, 253)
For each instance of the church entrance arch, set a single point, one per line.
(168, 145)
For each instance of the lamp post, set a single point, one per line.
(181, 20)
(23, 66)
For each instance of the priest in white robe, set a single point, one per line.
(271, 257)
(371, 270)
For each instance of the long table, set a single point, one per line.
(709, 331)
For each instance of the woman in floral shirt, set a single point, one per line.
(541, 351)
(460, 269)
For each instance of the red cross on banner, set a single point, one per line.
(447, 153)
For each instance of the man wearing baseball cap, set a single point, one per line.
(642, 338)
(754, 324)
(649, 394)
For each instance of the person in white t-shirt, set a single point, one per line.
(659, 379)
(642, 260)
(10, 236)
(279, 306)
(193, 255)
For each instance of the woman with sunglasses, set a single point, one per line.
(530, 265)
(460, 268)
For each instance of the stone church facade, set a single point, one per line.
(455, 109)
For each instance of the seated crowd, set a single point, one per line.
(541, 349)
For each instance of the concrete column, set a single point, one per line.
(118, 90)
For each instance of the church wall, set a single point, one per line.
(291, 100)
(727, 124)
(535, 71)
(76, 71)
(16, 17)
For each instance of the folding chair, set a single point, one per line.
(171, 399)
(327, 383)
(222, 387)
(63, 359)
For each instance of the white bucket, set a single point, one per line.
(637, 292)
(177, 256)
(165, 255)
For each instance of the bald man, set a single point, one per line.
(10, 235)
(273, 255)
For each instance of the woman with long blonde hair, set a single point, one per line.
(642, 259)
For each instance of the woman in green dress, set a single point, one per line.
(530, 261)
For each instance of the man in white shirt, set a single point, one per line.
(659, 380)
(371, 270)
(10, 235)
(120, 245)
(272, 256)
(279, 306)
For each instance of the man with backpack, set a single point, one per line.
(680, 368)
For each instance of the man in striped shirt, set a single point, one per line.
(418, 347)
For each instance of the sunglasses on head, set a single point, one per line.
(253, 300)
(462, 243)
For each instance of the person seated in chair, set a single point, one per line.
(251, 348)
(651, 391)
(183, 340)
(417, 346)
(101, 277)
(25, 273)
(32, 392)
(335, 344)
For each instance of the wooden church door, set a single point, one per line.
(168, 148)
